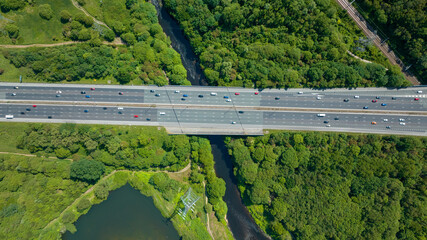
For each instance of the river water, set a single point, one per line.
(181, 45)
(125, 215)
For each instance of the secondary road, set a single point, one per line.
(210, 110)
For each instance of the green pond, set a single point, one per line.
(125, 215)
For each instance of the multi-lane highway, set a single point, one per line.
(220, 110)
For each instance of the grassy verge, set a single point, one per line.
(34, 29)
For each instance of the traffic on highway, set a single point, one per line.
(398, 111)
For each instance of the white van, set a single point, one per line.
(162, 113)
(9, 116)
(213, 94)
(419, 91)
(356, 97)
(120, 108)
(321, 115)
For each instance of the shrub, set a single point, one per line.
(68, 217)
(45, 11)
(83, 204)
(101, 191)
(12, 30)
(62, 153)
(1, 71)
(109, 35)
(84, 35)
(65, 16)
(81, 2)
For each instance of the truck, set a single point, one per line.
(321, 115)
(9, 116)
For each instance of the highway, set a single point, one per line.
(220, 110)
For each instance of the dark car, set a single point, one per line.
(241, 112)
(383, 104)
(393, 98)
(225, 96)
(200, 96)
(185, 95)
(183, 99)
(346, 100)
(105, 108)
(49, 117)
(85, 110)
(157, 95)
(83, 92)
(58, 95)
(337, 118)
(28, 109)
(152, 90)
(377, 97)
(119, 112)
(326, 121)
(22, 112)
(148, 119)
(365, 107)
(388, 127)
(276, 98)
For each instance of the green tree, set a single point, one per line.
(62, 153)
(215, 189)
(45, 11)
(87, 170)
(83, 205)
(12, 30)
(65, 16)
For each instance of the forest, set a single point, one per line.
(271, 43)
(404, 22)
(69, 159)
(312, 185)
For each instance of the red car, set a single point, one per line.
(256, 93)
(374, 100)
(34, 105)
(236, 93)
(416, 99)
(135, 116)
(120, 93)
(92, 88)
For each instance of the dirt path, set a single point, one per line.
(380, 43)
(361, 59)
(39, 45)
(31, 155)
(207, 215)
(88, 14)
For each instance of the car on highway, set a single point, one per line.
(233, 122)
(87, 96)
(378, 97)
(148, 119)
(105, 108)
(241, 112)
(383, 104)
(213, 94)
(85, 110)
(388, 127)
(225, 96)
(346, 100)
(374, 101)
(49, 117)
(236, 93)
(92, 88)
(34, 106)
(326, 121)
(152, 90)
(15, 87)
(419, 91)
(185, 95)
(82, 92)
(393, 98)
(183, 99)
(356, 97)
(385, 120)
(162, 113)
(120, 93)
(176, 91)
(318, 98)
(337, 118)
(135, 116)
(28, 109)
(228, 100)
(402, 123)
(120, 112)
(277, 98)
(120, 108)
(200, 96)
(58, 95)
(59, 91)
(13, 94)
(401, 120)
(300, 92)
(365, 107)
(256, 93)
(22, 113)
(374, 123)
(328, 125)
(157, 94)
(416, 99)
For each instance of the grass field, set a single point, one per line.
(34, 29)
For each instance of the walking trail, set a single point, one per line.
(30, 155)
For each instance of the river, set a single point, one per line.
(126, 214)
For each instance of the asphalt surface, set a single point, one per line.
(205, 110)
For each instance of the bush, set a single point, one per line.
(45, 11)
(84, 19)
(68, 217)
(83, 204)
(12, 30)
(129, 38)
(7, 5)
(81, 2)
(101, 191)
(1, 71)
(65, 16)
(62, 153)
(109, 35)
(84, 35)
(87, 170)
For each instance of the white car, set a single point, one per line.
(328, 125)
(176, 91)
(401, 120)
(162, 113)
(356, 96)
(213, 93)
(59, 91)
(120, 108)
(402, 123)
(233, 122)
(318, 98)
(385, 120)
(300, 92)
(228, 100)
(419, 91)
(13, 94)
